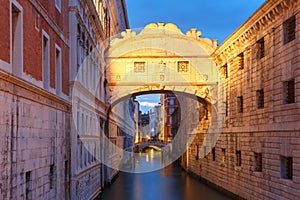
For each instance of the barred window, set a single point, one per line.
(289, 91)
(183, 66)
(240, 60)
(139, 67)
(28, 189)
(240, 104)
(51, 176)
(286, 167)
(260, 98)
(226, 108)
(213, 151)
(257, 162)
(289, 30)
(238, 158)
(223, 155)
(225, 70)
(260, 48)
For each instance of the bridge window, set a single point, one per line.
(286, 167)
(289, 91)
(183, 66)
(257, 162)
(289, 30)
(139, 67)
(260, 98)
(260, 48)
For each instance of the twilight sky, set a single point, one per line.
(215, 19)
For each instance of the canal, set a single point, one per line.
(169, 183)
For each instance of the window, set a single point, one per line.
(139, 67)
(37, 20)
(171, 102)
(204, 152)
(226, 108)
(46, 61)
(67, 179)
(183, 66)
(225, 70)
(289, 91)
(223, 155)
(240, 60)
(171, 110)
(51, 176)
(58, 73)
(58, 5)
(238, 158)
(17, 38)
(260, 48)
(260, 98)
(289, 30)
(286, 167)
(257, 162)
(213, 151)
(28, 185)
(240, 104)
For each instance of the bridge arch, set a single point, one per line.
(162, 59)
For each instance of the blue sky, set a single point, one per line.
(215, 19)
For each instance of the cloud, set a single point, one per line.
(148, 104)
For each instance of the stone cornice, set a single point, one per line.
(259, 21)
(34, 89)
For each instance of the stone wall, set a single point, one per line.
(272, 130)
(34, 131)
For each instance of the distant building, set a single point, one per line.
(170, 105)
(154, 124)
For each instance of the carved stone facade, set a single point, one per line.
(257, 155)
(92, 24)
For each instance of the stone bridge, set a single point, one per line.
(153, 144)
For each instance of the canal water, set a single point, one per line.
(169, 183)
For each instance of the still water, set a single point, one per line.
(169, 183)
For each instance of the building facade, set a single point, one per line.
(257, 154)
(92, 25)
(35, 109)
(170, 105)
(44, 45)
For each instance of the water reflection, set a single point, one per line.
(168, 183)
(148, 160)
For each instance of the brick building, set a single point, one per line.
(257, 155)
(171, 104)
(35, 112)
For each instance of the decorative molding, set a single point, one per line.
(259, 21)
(28, 87)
